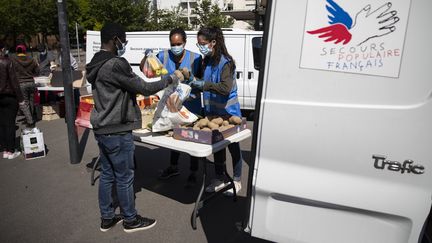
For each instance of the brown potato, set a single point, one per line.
(235, 120)
(203, 122)
(213, 125)
(224, 128)
(225, 123)
(218, 121)
(206, 129)
(196, 128)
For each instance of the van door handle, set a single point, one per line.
(238, 75)
(250, 75)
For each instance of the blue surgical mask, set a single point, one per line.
(122, 50)
(205, 49)
(177, 50)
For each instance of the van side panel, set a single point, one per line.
(330, 145)
(237, 43)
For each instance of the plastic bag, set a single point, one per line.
(152, 67)
(170, 111)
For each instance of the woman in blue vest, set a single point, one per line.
(174, 59)
(220, 97)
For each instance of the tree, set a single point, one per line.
(30, 17)
(170, 19)
(210, 15)
(132, 14)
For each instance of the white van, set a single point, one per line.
(342, 145)
(238, 42)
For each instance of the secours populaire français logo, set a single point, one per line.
(362, 36)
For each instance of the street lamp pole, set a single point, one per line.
(67, 82)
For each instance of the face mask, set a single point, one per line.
(122, 50)
(43, 52)
(205, 50)
(177, 50)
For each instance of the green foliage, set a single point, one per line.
(132, 14)
(30, 17)
(210, 15)
(168, 20)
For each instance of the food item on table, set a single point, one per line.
(206, 129)
(235, 120)
(217, 121)
(224, 128)
(213, 125)
(225, 123)
(203, 122)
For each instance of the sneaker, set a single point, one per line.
(107, 224)
(6, 155)
(230, 192)
(169, 172)
(140, 223)
(14, 155)
(191, 180)
(215, 186)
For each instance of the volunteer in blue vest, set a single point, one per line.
(173, 59)
(220, 98)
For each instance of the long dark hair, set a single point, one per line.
(215, 33)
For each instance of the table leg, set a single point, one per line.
(92, 178)
(198, 203)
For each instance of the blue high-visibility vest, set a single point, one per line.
(191, 61)
(216, 104)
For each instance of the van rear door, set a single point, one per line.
(343, 136)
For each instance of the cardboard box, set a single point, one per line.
(50, 112)
(32, 144)
(145, 101)
(206, 137)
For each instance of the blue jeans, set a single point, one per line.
(220, 158)
(117, 164)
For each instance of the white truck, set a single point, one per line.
(342, 145)
(238, 42)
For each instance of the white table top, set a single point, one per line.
(192, 148)
(49, 88)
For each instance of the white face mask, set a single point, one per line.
(122, 50)
(177, 50)
(205, 49)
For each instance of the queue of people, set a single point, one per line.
(17, 89)
(116, 114)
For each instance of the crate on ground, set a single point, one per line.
(145, 101)
(32, 143)
(50, 112)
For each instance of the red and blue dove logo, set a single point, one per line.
(371, 23)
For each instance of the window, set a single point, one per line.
(256, 51)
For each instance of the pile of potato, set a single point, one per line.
(217, 123)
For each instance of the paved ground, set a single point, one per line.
(51, 200)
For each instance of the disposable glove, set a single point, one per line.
(188, 76)
(197, 84)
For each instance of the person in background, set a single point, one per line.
(26, 68)
(113, 118)
(45, 60)
(220, 98)
(10, 96)
(73, 62)
(74, 67)
(175, 59)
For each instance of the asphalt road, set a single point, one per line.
(50, 200)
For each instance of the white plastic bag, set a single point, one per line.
(170, 111)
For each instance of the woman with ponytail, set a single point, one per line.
(220, 98)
